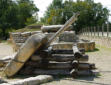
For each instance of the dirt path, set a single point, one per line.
(5, 50)
(102, 59)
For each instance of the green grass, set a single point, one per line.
(3, 41)
(103, 47)
(26, 30)
(96, 49)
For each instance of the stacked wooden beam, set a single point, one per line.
(59, 62)
(80, 65)
(54, 28)
(49, 62)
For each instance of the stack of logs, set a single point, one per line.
(59, 62)
(59, 59)
(81, 67)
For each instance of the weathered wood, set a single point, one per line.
(82, 50)
(83, 66)
(77, 53)
(77, 73)
(68, 36)
(54, 28)
(54, 65)
(32, 80)
(35, 42)
(61, 30)
(62, 51)
(66, 51)
(24, 53)
(54, 57)
(35, 58)
(3, 62)
(61, 57)
(82, 58)
(51, 72)
(103, 30)
(107, 29)
(62, 46)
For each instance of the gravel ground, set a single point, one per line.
(101, 57)
(5, 50)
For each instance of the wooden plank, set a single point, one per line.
(62, 29)
(83, 66)
(54, 28)
(54, 57)
(51, 72)
(78, 73)
(76, 52)
(83, 58)
(64, 51)
(53, 65)
(24, 53)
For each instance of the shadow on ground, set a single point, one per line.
(95, 50)
(86, 80)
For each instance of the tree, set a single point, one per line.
(53, 14)
(26, 11)
(91, 13)
(8, 18)
(16, 14)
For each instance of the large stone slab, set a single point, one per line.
(32, 80)
(24, 53)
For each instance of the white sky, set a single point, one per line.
(43, 4)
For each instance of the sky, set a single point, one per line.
(43, 4)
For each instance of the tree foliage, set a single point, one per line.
(16, 14)
(91, 13)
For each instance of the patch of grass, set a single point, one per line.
(26, 30)
(103, 47)
(3, 41)
(96, 49)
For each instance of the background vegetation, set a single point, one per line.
(91, 13)
(16, 14)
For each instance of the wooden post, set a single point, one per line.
(76, 51)
(61, 30)
(91, 31)
(94, 30)
(98, 30)
(103, 30)
(82, 31)
(107, 29)
(87, 30)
